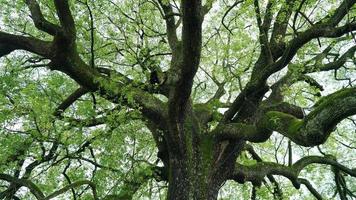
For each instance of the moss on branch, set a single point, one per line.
(317, 125)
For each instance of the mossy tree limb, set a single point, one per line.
(314, 129)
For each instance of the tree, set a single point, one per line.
(92, 73)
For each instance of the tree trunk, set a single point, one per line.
(201, 175)
(186, 185)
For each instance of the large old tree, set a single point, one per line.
(117, 99)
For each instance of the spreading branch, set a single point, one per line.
(65, 18)
(70, 100)
(74, 185)
(349, 54)
(256, 88)
(313, 130)
(316, 127)
(10, 42)
(26, 183)
(40, 22)
(256, 173)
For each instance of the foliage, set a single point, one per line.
(110, 133)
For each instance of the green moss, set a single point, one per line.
(206, 148)
(294, 126)
(330, 99)
(283, 122)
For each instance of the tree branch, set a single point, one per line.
(277, 190)
(26, 183)
(227, 12)
(316, 127)
(305, 182)
(324, 28)
(65, 18)
(74, 185)
(350, 53)
(280, 27)
(70, 100)
(263, 37)
(313, 130)
(268, 16)
(256, 173)
(40, 22)
(10, 42)
(207, 7)
(171, 25)
(191, 50)
(256, 88)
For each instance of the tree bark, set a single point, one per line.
(186, 182)
(206, 164)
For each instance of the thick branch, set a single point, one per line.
(10, 42)
(253, 90)
(191, 40)
(40, 22)
(350, 53)
(317, 126)
(263, 37)
(207, 7)
(324, 28)
(65, 17)
(71, 64)
(171, 25)
(268, 16)
(281, 23)
(313, 130)
(241, 131)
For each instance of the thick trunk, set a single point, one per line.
(186, 185)
(201, 176)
